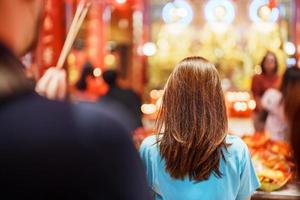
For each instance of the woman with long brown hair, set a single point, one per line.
(268, 78)
(193, 157)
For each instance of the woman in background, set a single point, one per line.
(262, 82)
(193, 157)
(279, 102)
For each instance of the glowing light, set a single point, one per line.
(161, 93)
(71, 59)
(252, 104)
(231, 96)
(121, 1)
(238, 96)
(257, 69)
(219, 11)
(156, 94)
(260, 12)
(237, 106)
(244, 106)
(73, 75)
(110, 60)
(178, 11)
(291, 62)
(289, 48)
(97, 72)
(246, 96)
(181, 12)
(149, 49)
(240, 106)
(264, 12)
(148, 109)
(123, 23)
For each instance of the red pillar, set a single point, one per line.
(52, 34)
(141, 30)
(296, 28)
(95, 34)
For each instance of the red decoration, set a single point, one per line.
(52, 35)
(95, 34)
(272, 4)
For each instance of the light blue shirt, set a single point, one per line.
(238, 182)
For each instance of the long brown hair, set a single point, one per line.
(193, 116)
(262, 64)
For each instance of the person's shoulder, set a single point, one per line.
(150, 140)
(130, 92)
(236, 146)
(149, 150)
(36, 104)
(149, 143)
(235, 142)
(99, 117)
(86, 117)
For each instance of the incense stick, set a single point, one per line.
(78, 19)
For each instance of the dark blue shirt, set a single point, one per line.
(54, 150)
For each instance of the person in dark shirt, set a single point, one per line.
(295, 136)
(50, 149)
(125, 102)
(82, 90)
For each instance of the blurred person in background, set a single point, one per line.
(126, 99)
(278, 102)
(262, 82)
(83, 89)
(192, 157)
(50, 149)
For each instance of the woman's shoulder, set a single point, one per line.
(236, 146)
(150, 140)
(149, 143)
(236, 141)
(149, 150)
